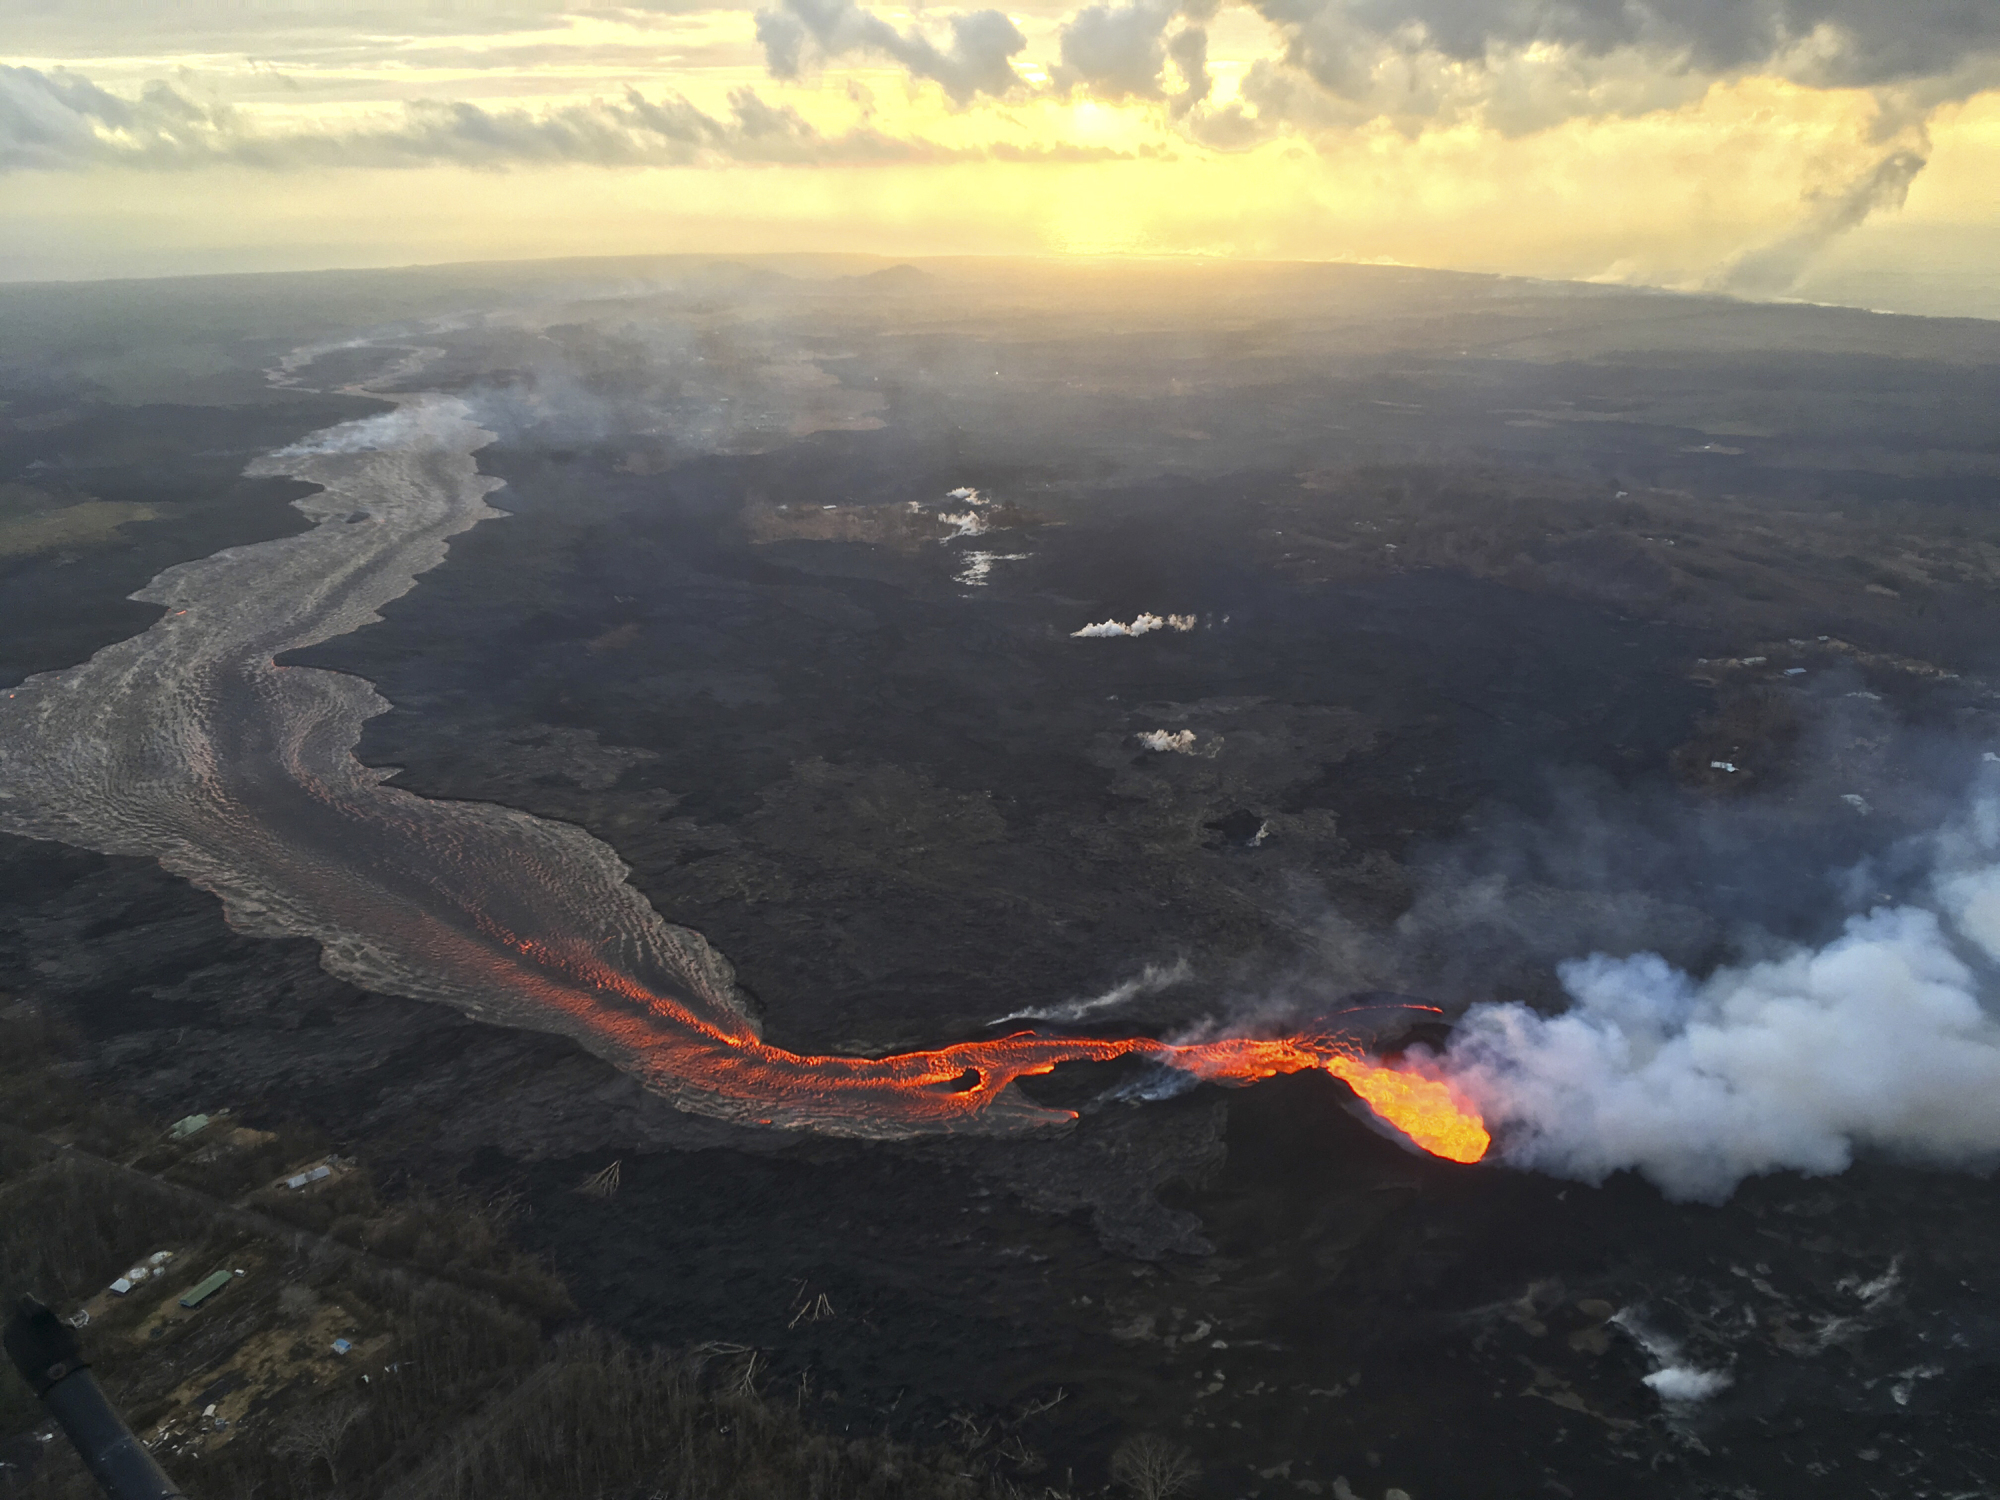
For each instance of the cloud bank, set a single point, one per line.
(1502, 69)
(1596, 55)
(64, 122)
(1519, 66)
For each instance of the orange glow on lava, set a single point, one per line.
(1424, 1109)
(716, 1064)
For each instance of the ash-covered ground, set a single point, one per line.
(1463, 626)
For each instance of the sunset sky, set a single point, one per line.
(1841, 150)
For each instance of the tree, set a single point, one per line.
(318, 1433)
(1153, 1468)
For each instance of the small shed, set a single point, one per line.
(202, 1290)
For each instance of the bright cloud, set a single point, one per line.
(1729, 146)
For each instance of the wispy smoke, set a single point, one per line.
(977, 567)
(1150, 980)
(1775, 268)
(968, 522)
(386, 431)
(964, 523)
(1677, 1381)
(1880, 1039)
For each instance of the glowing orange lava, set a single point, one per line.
(717, 1065)
(1424, 1109)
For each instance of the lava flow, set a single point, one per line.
(187, 743)
(969, 1086)
(719, 1066)
(1424, 1109)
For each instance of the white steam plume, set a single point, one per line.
(978, 566)
(1676, 1382)
(1881, 1040)
(1143, 624)
(1149, 980)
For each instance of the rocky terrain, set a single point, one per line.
(1520, 621)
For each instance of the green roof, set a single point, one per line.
(202, 1290)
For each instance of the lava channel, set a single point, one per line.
(726, 1070)
(189, 744)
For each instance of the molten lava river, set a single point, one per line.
(968, 1087)
(187, 743)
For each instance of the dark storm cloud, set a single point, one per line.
(977, 62)
(61, 121)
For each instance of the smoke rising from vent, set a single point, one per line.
(1144, 623)
(1677, 1382)
(1879, 1040)
(1148, 981)
(1775, 268)
(964, 523)
(977, 567)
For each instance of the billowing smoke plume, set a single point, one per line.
(1144, 623)
(1880, 1040)
(1775, 268)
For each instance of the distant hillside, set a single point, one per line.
(900, 278)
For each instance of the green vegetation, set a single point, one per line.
(34, 521)
(463, 1374)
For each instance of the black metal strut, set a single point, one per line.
(50, 1358)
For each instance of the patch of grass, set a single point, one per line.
(34, 521)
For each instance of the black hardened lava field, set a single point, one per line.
(957, 879)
